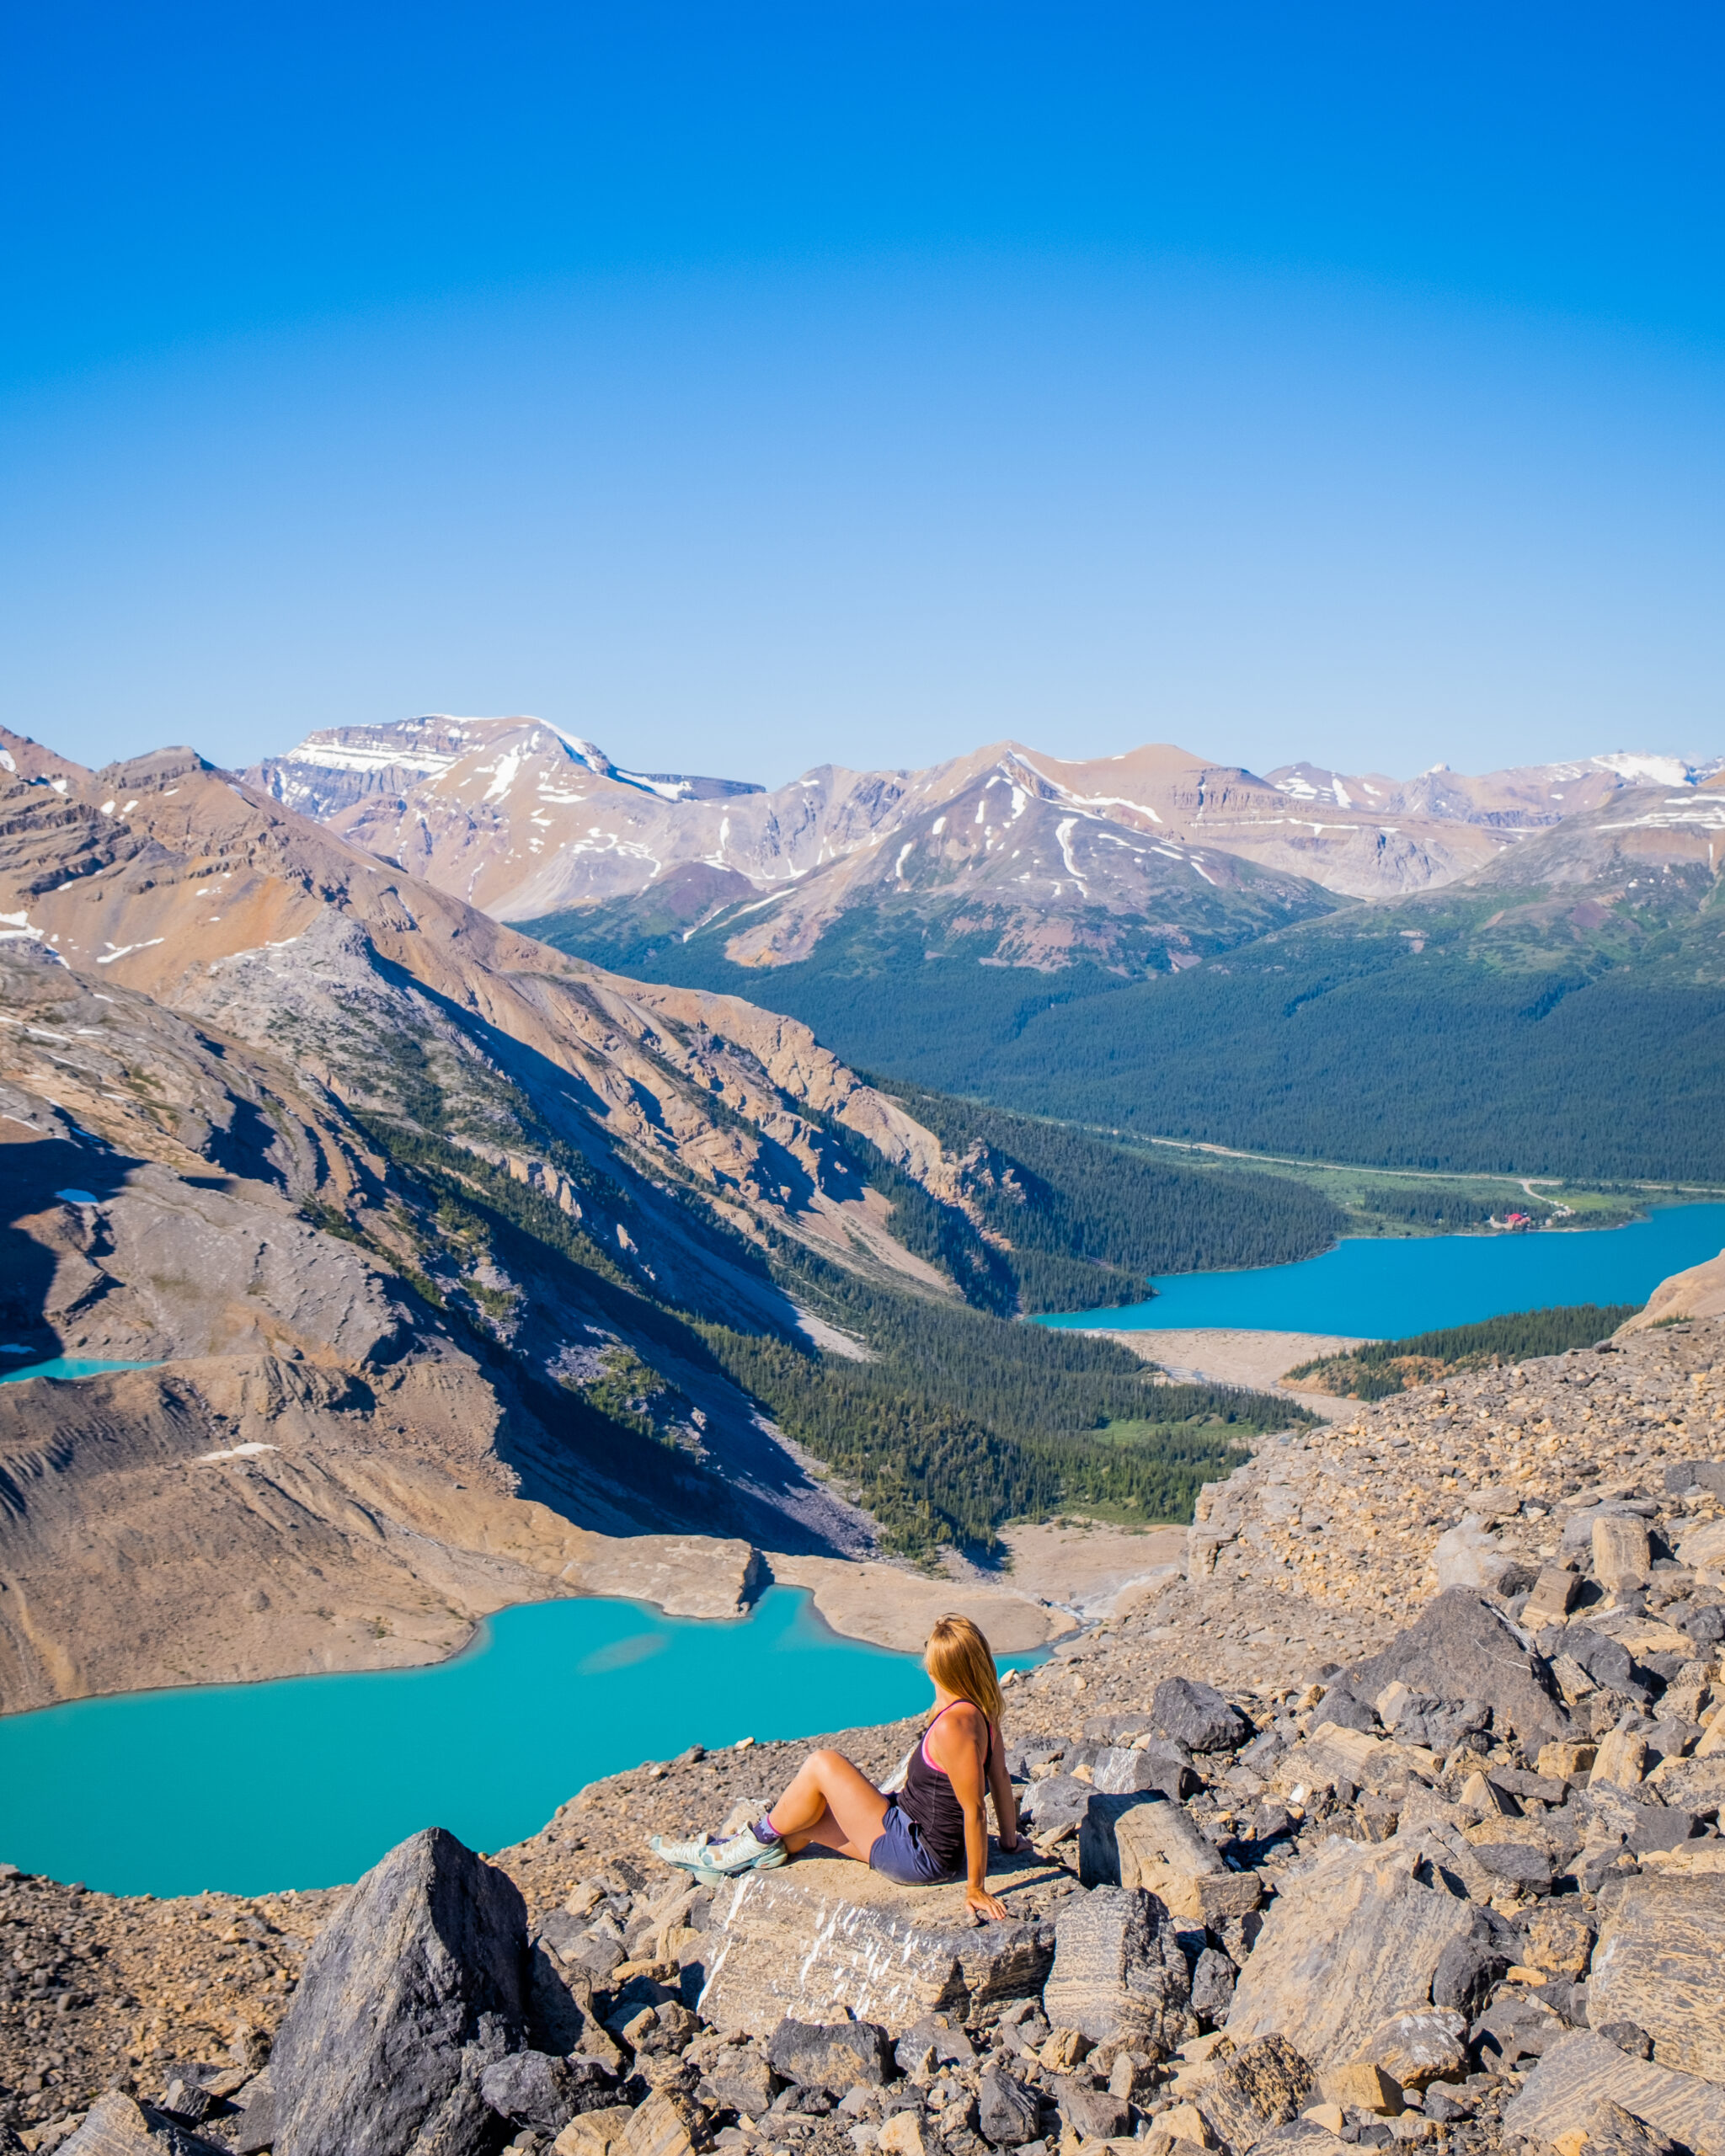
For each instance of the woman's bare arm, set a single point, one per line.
(1006, 1802)
(960, 1751)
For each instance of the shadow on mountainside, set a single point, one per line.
(40, 1228)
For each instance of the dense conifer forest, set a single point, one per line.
(1382, 1367)
(1420, 1036)
(1088, 1221)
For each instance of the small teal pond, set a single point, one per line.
(1387, 1290)
(66, 1366)
(305, 1781)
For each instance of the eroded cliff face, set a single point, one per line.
(223, 1032)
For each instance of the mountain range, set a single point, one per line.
(1446, 972)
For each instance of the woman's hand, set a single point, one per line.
(984, 1903)
(1008, 1842)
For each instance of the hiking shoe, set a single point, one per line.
(712, 1861)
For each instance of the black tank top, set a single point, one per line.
(927, 1800)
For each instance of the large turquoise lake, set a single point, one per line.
(306, 1782)
(1387, 1290)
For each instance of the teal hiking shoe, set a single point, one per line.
(712, 1862)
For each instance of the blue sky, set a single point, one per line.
(761, 386)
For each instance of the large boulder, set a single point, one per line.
(823, 1937)
(1119, 1974)
(1658, 1964)
(1350, 1939)
(409, 1992)
(1459, 1648)
(1196, 1715)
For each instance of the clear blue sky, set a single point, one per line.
(755, 386)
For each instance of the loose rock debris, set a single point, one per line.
(1393, 1818)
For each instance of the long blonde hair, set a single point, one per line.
(961, 1661)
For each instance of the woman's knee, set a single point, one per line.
(825, 1762)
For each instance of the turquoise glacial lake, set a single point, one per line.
(306, 1782)
(1387, 1290)
(67, 1366)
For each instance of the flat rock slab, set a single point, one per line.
(1350, 1940)
(1580, 2072)
(823, 1938)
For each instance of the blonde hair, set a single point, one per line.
(961, 1661)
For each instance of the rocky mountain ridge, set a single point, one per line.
(1418, 1848)
(525, 820)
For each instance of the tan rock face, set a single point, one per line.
(1346, 1942)
(1657, 1964)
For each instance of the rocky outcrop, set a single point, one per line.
(1657, 1965)
(1698, 1292)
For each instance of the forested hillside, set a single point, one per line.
(1456, 1031)
(1088, 1220)
(948, 1424)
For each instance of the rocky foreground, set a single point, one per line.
(1392, 1815)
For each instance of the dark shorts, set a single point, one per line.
(899, 1853)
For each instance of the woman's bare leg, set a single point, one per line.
(831, 1802)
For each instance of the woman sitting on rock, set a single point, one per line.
(934, 1828)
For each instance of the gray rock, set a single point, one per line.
(256, 2130)
(413, 1987)
(1339, 1706)
(1514, 2027)
(1213, 1976)
(830, 2054)
(1613, 2132)
(1460, 1648)
(1471, 1967)
(531, 2088)
(1697, 1474)
(1705, 1627)
(1662, 1827)
(1519, 1863)
(1119, 1973)
(1628, 2037)
(1096, 2114)
(1605, 1660)
(1007, 2112)
(1058, 1801)
(1196, 1715)
(1125, 1770)
(741, 2080)
(935, 2033)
